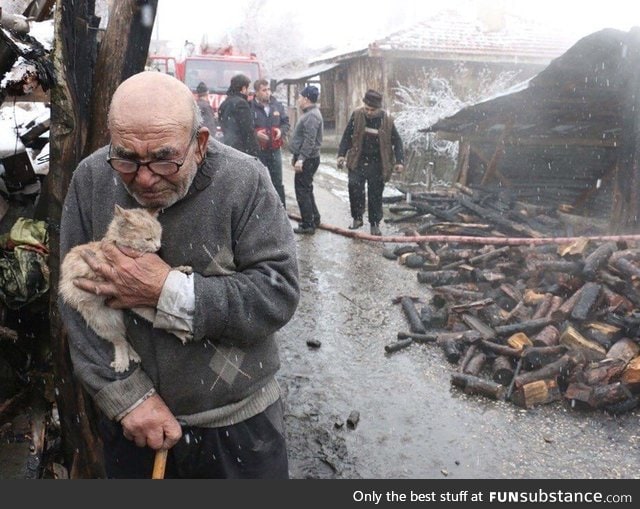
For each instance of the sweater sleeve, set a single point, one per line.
(244, 119)
(311, 125)
(92, 355)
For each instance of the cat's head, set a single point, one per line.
(138, 229)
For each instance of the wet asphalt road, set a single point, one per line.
(412, 424)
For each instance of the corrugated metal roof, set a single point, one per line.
(309, 72)
(450, 35)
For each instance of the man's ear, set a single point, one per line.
(203, 140)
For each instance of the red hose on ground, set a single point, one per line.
(462, 239)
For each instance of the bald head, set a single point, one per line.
(152, 100)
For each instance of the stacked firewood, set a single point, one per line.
(531, 324)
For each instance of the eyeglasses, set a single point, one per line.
(159, 167)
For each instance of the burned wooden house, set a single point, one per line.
(568, 138)
(462, 48)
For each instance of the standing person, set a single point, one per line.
(208, 115)
(305, 147)
(205, 387)
(272, 125)
(373, 150)
(235, 117)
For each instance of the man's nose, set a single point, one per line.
(145, 177)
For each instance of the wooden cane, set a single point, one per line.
(159, 464)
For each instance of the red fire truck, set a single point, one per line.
(214, 67)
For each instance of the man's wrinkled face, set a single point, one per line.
(263, 94)
(155, 144)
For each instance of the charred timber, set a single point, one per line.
(587, 302)
(528, 327)
(475, 364)
(537, 356)
(598, 259)
(475, 385)
(502, 370)
(550, 371)
(539, 392)
(412, 315)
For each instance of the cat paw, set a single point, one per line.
(120, 365)
(133, 355)
(185, 269)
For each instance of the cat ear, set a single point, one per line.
(118, 210)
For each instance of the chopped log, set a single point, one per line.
(528, 327)
(511, 291)
(425, 208)
(476, 260)
(433, 317)
(488, 276)
(499, 219)
(537, 356)
(478, 304)
(519, 341)
(468, 355)
(615, 301)
(475, 364)
(502, 370)
(542, 310)
(539, 392)
(398, 345)
(549, 336)
(492, 314)
(556, 302)
(605, 395)
(475, 323)
(574, 268)
(624, 349)
(631, 374)
(520, 312)
(627, 268)
(411, 313)
(551, 370)
(567, 307)
(474, 385)
(573, 339)
(613, 282)
(597, 259)
(501, 350)
(587, 302)
(441, 277)
(602, 333)
(451, 349)
(578, 391)
(423, 338)
(532, 298)
(460, 293)
(602, 373)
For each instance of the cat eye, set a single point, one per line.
(159, 167)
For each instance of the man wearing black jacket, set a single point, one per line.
(372, 149)
(236, 119)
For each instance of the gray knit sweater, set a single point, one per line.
(232, 229)
(306, 140)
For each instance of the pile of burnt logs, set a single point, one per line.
(460, 210)
(531, 324)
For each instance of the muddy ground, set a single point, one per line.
(412, 423)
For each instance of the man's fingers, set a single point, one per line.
(172, 433)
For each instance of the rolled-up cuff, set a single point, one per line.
(118, 396)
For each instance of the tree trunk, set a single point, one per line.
(76, 71)
(123, 53)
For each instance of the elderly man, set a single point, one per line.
(213, 401)
(372, 149)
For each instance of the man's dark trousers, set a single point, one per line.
(369, 172)
(272, 159)
(303, 183)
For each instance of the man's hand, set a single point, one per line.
(277, 133)
(262, 135)
(151, 424)
(341, 162)
(398, 168)
(131, 279)
(298, 166)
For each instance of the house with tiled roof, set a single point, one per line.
(463, 48)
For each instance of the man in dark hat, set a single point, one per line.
(372, 149)
(208, 115)
(305, 147)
